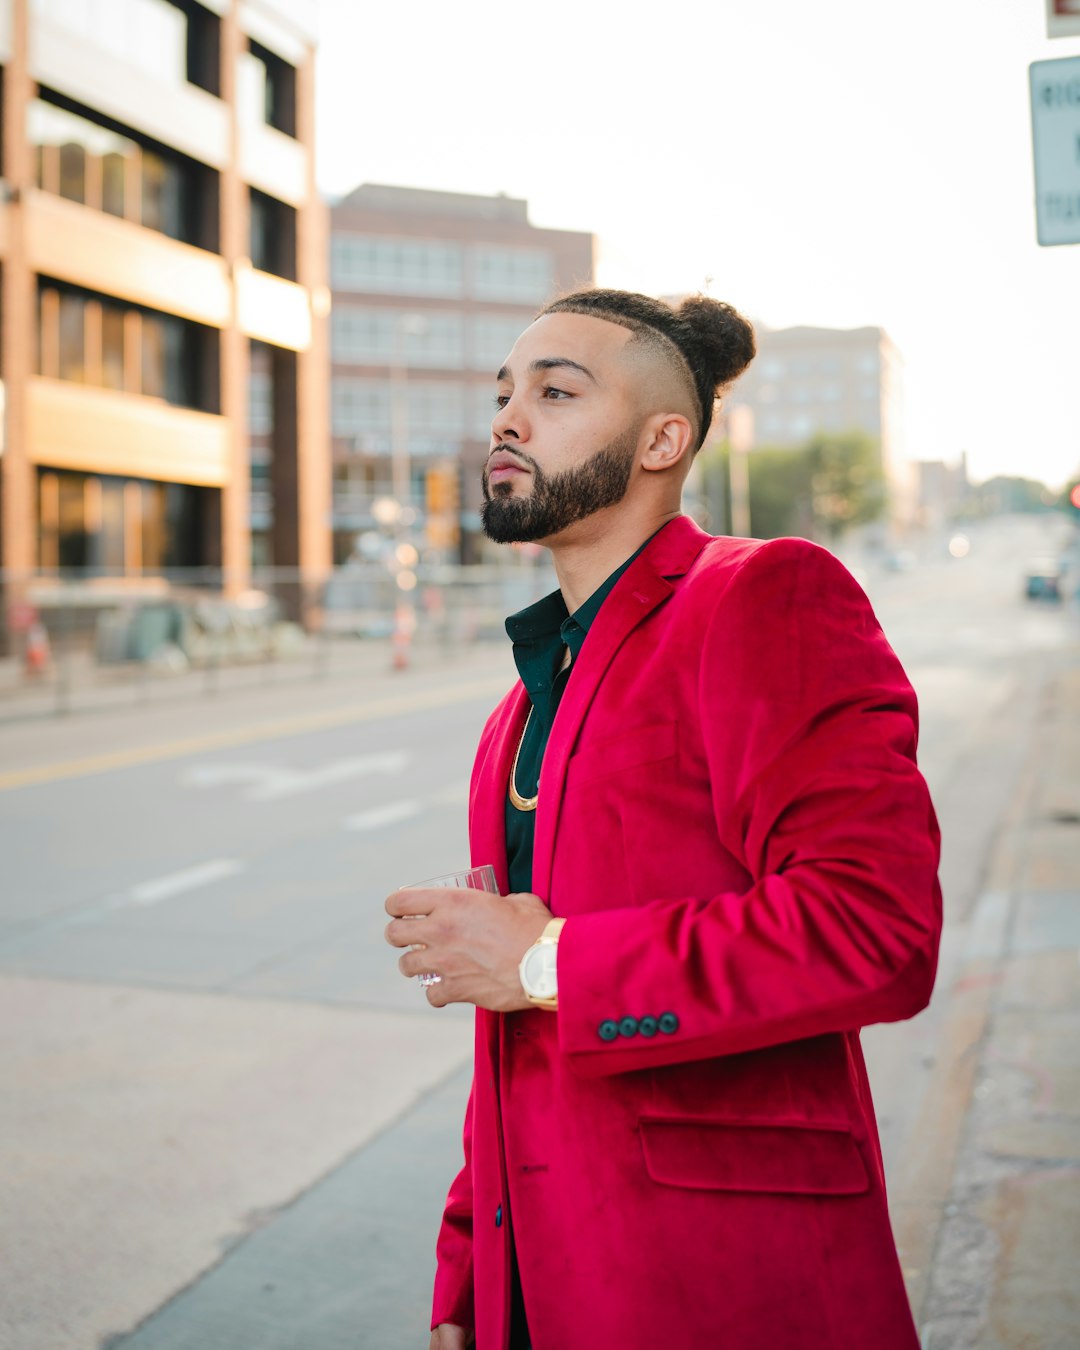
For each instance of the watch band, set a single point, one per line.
(550, 936)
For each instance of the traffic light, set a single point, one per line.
(1072, 501)
(443, 498)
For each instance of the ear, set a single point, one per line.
(669, 440)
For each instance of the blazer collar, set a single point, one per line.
(644, 585)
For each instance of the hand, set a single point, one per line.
(473, 939)
(446, 1336)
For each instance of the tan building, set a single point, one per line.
(164, 306)
(810, 380)
(431, 289)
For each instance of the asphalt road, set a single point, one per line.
(231, 1121)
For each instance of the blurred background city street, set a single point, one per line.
(230, 1116)
(259, 262)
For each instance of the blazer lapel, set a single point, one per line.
(642, 587)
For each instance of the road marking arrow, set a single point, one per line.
(272, 782)
(390, 814)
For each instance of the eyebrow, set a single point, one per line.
(543, 363)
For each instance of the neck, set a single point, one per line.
(586, 555)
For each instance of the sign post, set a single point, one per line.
(1055, 130)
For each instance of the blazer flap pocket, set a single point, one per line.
(617, 754)
(715, 1155)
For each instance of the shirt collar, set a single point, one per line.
(538, 624)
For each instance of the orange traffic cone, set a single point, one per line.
(38, 656)
(401, 640)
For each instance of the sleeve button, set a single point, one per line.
(608, 1030)
(628, 1026)
(647, 1026)
(668, 1023)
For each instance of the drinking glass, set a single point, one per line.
(472, 879)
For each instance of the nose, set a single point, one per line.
(509, 424)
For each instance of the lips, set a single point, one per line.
(503, 466)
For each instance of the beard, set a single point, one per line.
(560, 499)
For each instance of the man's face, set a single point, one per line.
(564, 437)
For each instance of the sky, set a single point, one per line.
(835, 164)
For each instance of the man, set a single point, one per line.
(720, 862)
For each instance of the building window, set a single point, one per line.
(95, 340)
(359, 406)
(403, 266)
(481, 411)
(436, 407)
(511, 273)
(272, 235)
(491, 337)
(161, 195)
(108, 170)
(386, 337)
(71, 338)
(435, 422)
(266, 89)
(116, 525)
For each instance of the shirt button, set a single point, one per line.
(498, 1217)
(668, 1023)
(647, 1026)
(628, 1026)
(607, 1031)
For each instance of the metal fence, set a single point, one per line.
(72, 640)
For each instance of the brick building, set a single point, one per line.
(430, 291)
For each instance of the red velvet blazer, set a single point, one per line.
(731, 820)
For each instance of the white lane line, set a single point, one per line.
(176, 883)
(390, 814)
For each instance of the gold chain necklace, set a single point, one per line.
(517, 801)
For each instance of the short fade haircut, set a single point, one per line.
(707, 342)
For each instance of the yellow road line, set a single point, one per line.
(392, 706)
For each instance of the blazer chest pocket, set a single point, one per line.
(787, 1159)
(619, 754)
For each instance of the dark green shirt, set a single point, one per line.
(541, 634)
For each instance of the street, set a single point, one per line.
(231, 1122)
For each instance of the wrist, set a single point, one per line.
(538, 968)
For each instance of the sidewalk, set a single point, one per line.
(987, 1214)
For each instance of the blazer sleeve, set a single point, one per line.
(453, 1299)
(809, 728)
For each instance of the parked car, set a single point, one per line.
(1042, 580)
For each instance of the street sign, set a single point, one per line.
(1055, 130)
(1062, 18)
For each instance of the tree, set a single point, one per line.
(814, 492)
(846, 480)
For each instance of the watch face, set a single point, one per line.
(538, 972)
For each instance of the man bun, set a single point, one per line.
(713, 340)
(723, 339)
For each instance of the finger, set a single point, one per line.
(403, 932)
(412, 963)
(414, 900)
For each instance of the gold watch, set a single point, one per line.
(538, 968)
